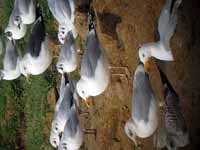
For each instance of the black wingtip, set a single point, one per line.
(66, 78)
(56, 93)
(91, 24)
(38, 11)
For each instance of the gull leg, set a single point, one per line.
(91, 131)
(122, 72)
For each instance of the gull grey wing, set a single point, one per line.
(11, 56)
(69, 45)
(64, 8)
(36, 38)
(22, 6)
(51, 4)
(168, 20)
(72, 125)
(66, 104)
(91, 55)
(1, 45)
(62, 85)
(142, 97)
(164, 19)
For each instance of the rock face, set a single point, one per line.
(123, 25)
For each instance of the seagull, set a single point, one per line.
(12, 31)
(25, 12)
(63, 11)
(144, 119)
(72, 137)
(94, 68)
(62, 111)
(11, 61)
(166, 27)
(54, 134)
(67, 61)
(177, 133)
(37, 57)
(63, 86)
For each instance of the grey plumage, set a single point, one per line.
(11, 56)
(12, 30)
(168, 20)
(25, 12)
(144, 120)
(64, 7)
(11, 60)
(63, 11)
(94, 71)
(91, 55)
(177, 134)
(72, 137)
(63, 109)
(38, 56)
(22, 6)
(67, 61)
(1, 45)
(71, 125)
(60, 9)
(142, 96)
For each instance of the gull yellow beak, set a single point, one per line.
(88, 102)
(147, 66)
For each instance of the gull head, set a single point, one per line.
(54, 139)
(129, 130)
(18, 21)
(9, 35)
(60, 68)
(83, 93)
(61, 37)
(63, 146)
(13, 32)
(144, 56)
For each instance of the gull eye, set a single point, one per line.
(9, 34)
(83, 92)
(61, 68)
(56, 129)
(25, 68)
(54, 142)
(143, 55)
(17, 19)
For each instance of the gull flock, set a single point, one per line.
(66, 132)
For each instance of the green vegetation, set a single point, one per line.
(23, 103)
